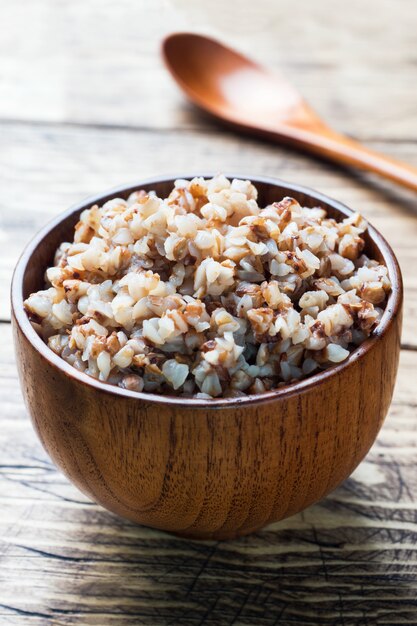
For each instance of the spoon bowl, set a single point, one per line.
(221, 79)
(251, 98)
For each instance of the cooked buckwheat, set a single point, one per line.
(206, 294)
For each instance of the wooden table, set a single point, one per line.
(86, 104)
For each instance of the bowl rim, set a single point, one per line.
(19, 316)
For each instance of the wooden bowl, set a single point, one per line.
(201, 469)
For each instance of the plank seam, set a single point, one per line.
(175, 129)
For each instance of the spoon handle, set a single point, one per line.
(340, 148)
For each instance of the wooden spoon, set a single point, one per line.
(250, 97)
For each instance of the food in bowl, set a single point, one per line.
(206, 469)
(206, 294)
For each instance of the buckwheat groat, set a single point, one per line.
(206, 294)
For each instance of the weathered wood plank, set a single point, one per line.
(98, 62)
(43, 169)
(352, 559)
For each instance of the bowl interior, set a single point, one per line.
(62, 230)
(39, 254)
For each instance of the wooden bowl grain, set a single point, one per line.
(202, 469)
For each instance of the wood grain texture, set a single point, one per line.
(93, 108)
(98, 62)
(245, 96)
(215, 472)
(77, 162)
(206, 470)
(352, 559)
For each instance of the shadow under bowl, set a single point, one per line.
(206, 469)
